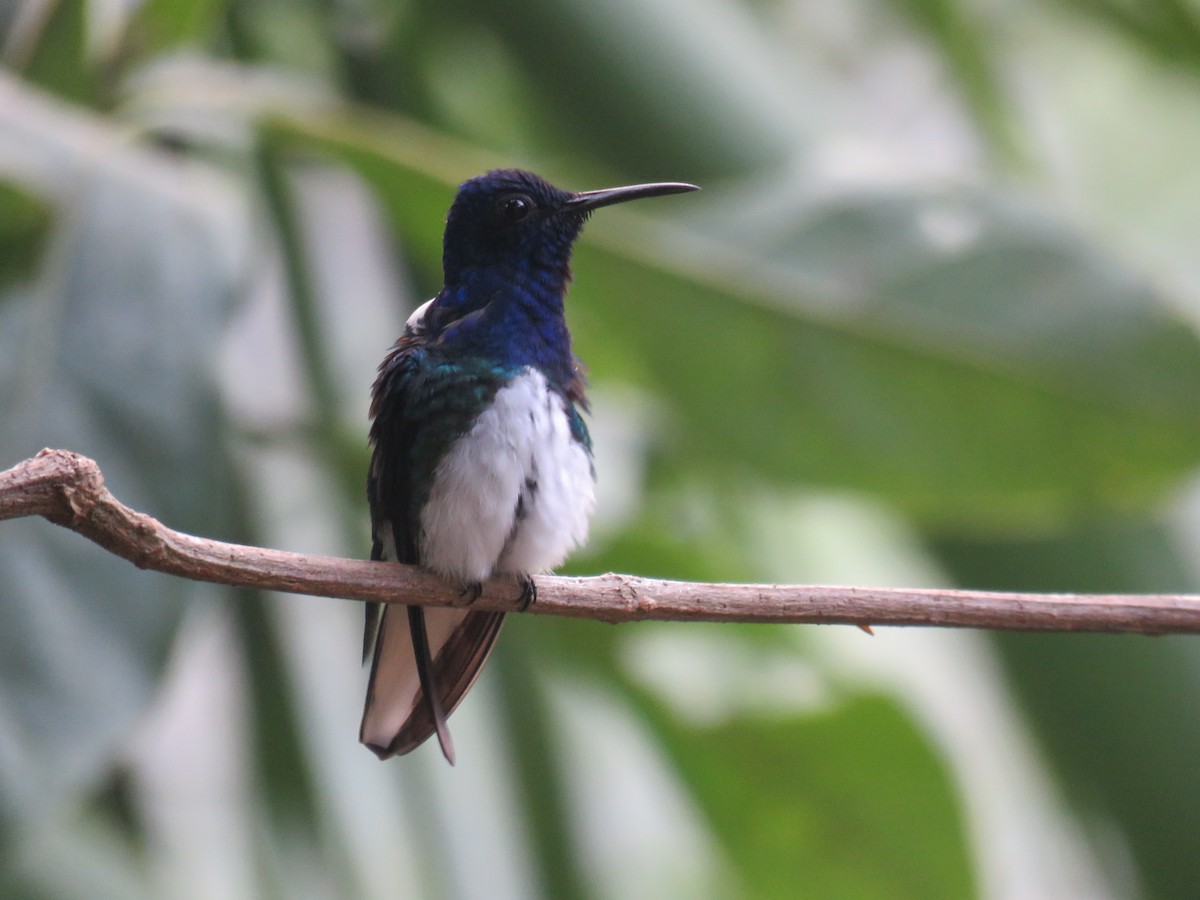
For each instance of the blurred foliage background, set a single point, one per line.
(932, 321)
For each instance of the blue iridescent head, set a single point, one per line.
(517, 224)
(507, 261)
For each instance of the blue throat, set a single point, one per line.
(510, 317)
(506, 260)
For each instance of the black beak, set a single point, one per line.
(588, 200)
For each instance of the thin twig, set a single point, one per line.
(68, 489)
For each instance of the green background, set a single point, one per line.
(931, 321)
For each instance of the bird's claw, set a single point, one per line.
(528, 593)
(472, 591)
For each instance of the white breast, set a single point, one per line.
(514, 494)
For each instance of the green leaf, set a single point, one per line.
(968, 53)
(1116, 714)
(997, 367)
(958, 355)
(540, 778)
(24, 224)
(51, 51)
(160, 25)
(654, 88)
(852, 802)
(285, 773)
(1168, 29)
(108, 353)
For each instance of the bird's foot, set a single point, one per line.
(472, 591)
(528, 592)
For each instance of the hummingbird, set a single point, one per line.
(481, 460)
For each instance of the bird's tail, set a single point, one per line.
(434, 653)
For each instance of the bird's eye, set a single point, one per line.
(516, 208)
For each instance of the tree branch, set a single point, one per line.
(68, 489)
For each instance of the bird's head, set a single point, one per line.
(507, 261)
(516, 225)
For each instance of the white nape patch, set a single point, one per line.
(418, 317)
(521, 444)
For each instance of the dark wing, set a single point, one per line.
(423, 661)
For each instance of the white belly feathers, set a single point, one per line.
(514, 494)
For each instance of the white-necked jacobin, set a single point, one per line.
(481, 463)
